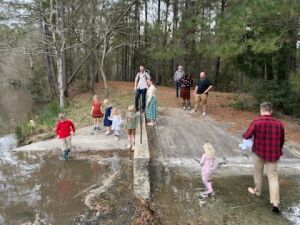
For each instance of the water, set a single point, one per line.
(36, 184)
(293, 213)
(179, 200)
(32, 183)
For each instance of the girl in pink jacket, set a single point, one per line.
(207, 164)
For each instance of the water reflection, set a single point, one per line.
(179, 200)
(31, 183)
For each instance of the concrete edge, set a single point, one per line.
(77, 150)
(141, 159)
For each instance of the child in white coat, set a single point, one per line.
(116, 123)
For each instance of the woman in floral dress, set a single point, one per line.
(186, 83)
(151, 104)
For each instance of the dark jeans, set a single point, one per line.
(177, 88)
(138, 94)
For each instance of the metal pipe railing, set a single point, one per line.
(141, 121)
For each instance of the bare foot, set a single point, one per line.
(252, 191)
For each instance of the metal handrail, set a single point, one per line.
(141, 122)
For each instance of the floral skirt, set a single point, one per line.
(151, 110)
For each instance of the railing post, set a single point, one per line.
(141, 121)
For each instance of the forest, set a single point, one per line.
(57, 46)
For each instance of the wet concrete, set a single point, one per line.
(179, 201)
(97, 189)
(182, 135)
(84, 140)
(175, 175)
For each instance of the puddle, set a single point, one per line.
(32, 184)
(293, 213)
(177, 195)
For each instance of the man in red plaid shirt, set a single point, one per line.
(268, 134)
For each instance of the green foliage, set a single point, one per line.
(294, 80)
(23, 131)
(257, 34)
(280, 94)
(48, 116)
(37, 84)
(44, 121)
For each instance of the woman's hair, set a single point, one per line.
(96, 97)
(106, 102)
(131, 108)
(209, 149)
(152, 80)
(61, 116)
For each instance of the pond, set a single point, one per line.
(177, 194)
(35, 183)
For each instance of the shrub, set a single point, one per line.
(280, 94)
(48, 115)
(37, 84)
(294, 81)
(245, 102)
(23, 131)
(45, 121)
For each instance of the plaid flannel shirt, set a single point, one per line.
(268, 136)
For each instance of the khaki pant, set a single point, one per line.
(66, 143)
(201, 99)
(272, 178)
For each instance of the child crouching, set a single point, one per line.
(64, 129)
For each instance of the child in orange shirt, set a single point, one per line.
(96, 112)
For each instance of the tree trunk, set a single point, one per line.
(166, 21)
(146, 22)
(60, 78)
(94, 66)
(175, 23)
(44, 30)
(60, 27)
(101, 66)
(218, 61)
(158, 11)
(100, 42)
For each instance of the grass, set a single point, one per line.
(77, 109)
(43, 123)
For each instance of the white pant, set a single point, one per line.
(66, 143)
(117, 133)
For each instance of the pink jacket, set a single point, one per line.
(207, 163)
